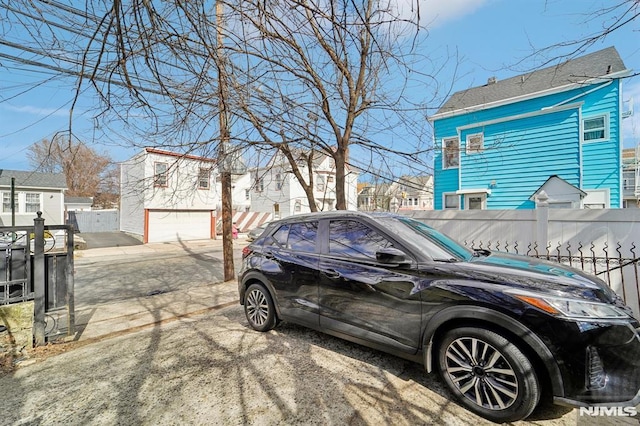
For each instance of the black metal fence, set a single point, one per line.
(619, 268)
(36, 263)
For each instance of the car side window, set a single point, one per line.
(354, 239)
(302, 237)
(279, 237)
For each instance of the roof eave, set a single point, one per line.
(554, 90)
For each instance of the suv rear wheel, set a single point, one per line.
(259, 308)
(489, 375)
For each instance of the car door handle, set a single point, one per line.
(331, 273)
(268, 254)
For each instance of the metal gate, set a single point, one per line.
(95, 220)
(36, 263)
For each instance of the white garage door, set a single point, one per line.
(167, 226)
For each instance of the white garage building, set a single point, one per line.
(166, 196)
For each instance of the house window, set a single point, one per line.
(320, 183)
(203, 178)
(451, 201)
(595, 128)
(475, 143)
(258, 183)
(597, 199)
(32, 202)
(475, 201)
(6, 202)
(278, 182)
(330, 179)
(297, 207)
(247, 194)
(24, 202)
(160, 174)
(450, 148)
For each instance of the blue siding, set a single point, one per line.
(521, 154)
(602, 165)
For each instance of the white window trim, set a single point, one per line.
(606, 197)
(475, 151)
(444, 200)
(204, 179)
(21, 201)
(157, 176)
(444, 153)
(482, 195)
(606, 127)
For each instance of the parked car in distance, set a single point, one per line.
(503, 331)
(256, 232)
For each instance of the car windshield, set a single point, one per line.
(434, 243)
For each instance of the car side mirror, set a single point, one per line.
(391, 256)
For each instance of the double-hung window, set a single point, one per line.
(24, 202)
(6, 202)
(450, 153)
(204, 178)
(475, 143)
(596, 128)
(451, 201)
(32, 202)
(160, 174)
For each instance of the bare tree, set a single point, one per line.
(84, 168)
(613, 17)
(302, 74)
(322, 76)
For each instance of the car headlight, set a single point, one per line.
(569, 308)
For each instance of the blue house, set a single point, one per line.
(498, 144)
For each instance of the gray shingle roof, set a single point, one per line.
(33, 179)
(78, 200)
(597, 64)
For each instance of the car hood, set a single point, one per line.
(535, 275)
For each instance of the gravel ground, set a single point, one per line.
(214, 370)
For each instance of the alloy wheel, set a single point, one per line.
(481, 373)
(257, 307)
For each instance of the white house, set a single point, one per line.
(411, 193)
(277, 191)
(78, 204)
(166, 196)
(33, 192)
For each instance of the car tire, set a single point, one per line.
(259, 308)
(489, 375)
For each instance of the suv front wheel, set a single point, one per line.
(259, 308)
(488, 374)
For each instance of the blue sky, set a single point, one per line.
(491, 37)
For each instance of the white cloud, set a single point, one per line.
(631, 125)
(435, 13)
(45, 112)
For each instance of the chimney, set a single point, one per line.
(491, 80)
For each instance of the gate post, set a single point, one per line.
(38, 280)
(542, 219)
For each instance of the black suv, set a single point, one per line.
(503, 330)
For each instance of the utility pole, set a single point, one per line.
(223, 163)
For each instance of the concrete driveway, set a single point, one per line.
(108, 239)
(212, 369)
